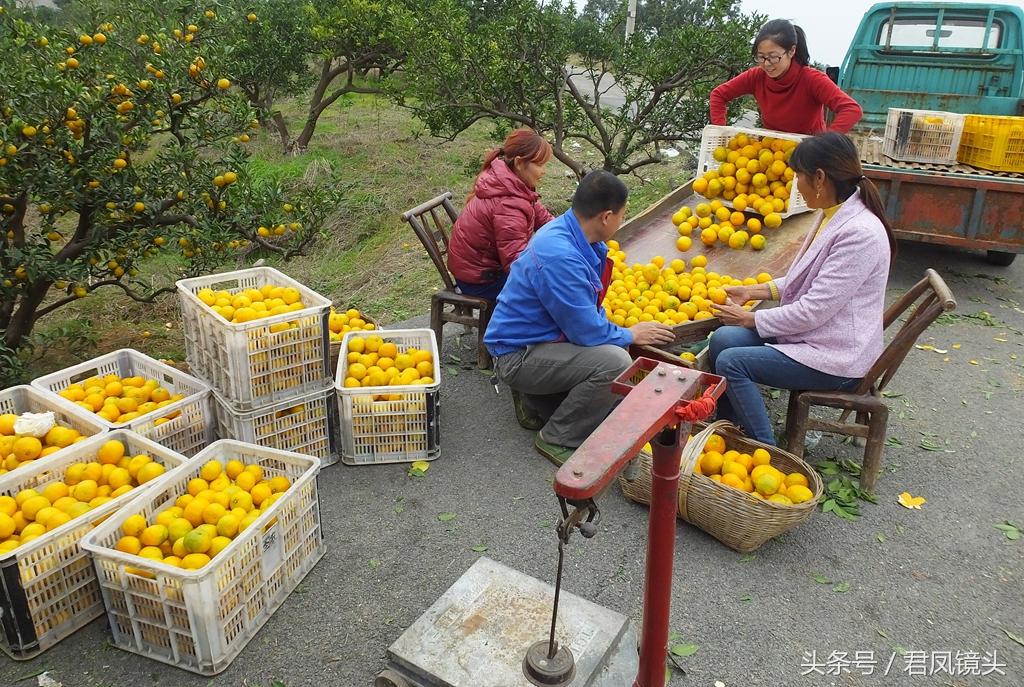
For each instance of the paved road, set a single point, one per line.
(939, 579)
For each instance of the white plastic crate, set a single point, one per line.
(715, 136)
(923, 135)
(246, 362)
(401, 430)
(25, 399)
(48, 586)
(307, 424)
(190, 427)
(199, 620)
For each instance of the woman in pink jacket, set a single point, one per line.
(501, 214)
(827, 330)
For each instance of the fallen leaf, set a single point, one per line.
(881, 633)
(820, 579)
(682, 650)
(453, 371)
(421, 465)
(925, 347)
(746, 598)
(1011, 531)
(1014, 637)
(930, 445)
(479, 548)
(893, 441)
(842, 587)
(880, 537)
(746, 558)
(956, 346)
(908, 501)
(374, 563)
(973, 362)
(999, 339)
(445, 517)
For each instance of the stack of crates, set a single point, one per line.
(993, 143)
(270, 378)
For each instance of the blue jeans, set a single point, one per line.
(741, 356)
(489, 290)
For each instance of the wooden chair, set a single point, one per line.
(930, 298)
(433, 221)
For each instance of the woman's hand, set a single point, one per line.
(742, 294)
(730, 313)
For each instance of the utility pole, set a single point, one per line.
(630, 19)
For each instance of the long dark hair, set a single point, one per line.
(836, 155)
(785, 34)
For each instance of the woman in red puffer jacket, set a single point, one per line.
(502, 212)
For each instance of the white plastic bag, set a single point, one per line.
(34, 424)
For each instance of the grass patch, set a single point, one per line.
(369, 259)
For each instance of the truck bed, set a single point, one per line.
(870, 146)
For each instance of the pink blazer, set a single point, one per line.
(833, 297)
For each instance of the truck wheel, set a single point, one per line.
(1000, 258)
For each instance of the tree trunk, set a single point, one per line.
(316, 104)
(24, 318)
(282, 131)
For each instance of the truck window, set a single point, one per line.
(955, 33)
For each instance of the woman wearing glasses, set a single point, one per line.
(790, 93)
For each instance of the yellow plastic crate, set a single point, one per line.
(994, 143)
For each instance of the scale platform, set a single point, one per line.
(477, 634)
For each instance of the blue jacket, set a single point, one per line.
(553, 293)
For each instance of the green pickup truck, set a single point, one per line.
(964, 58)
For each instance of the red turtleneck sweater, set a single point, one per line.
(794, 102)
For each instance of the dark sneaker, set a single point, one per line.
(553, 452)
(525, 416)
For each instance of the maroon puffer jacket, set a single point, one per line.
(495, 225)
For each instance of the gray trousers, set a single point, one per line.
(569, 385)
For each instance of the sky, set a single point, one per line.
(829, 24)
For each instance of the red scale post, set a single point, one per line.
(659, 408)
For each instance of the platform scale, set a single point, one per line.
(496, 627)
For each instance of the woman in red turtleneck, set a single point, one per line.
(790, 94)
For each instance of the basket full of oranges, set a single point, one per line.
(740, 491)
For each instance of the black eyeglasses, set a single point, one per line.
(768, 59)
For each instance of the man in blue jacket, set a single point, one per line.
(550, 338)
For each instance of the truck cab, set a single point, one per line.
(955, 57)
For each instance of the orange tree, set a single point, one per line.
(120, 138)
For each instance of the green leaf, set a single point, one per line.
(828, 506)
(842, 587)
(891, 394)
(820, 579)
(931, 445)
(486, 373)
(683, 650)
(893, 441)
(900, 650)
(882, 633)
(880, 537)
(1014, 637)
(416, 472)
(747, 557)
(1011, 531)
(445, 517)
(775, 393)
(746, 598)
(374, 563)
(479, 548)
(453, 371)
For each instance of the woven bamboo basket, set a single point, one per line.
(731, 516)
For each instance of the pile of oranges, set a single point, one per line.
(346, 321)
(666, 292)
(375, 361)
(33, 512)
(752, 473)
(17, 450)
(254, 304)
(121, 399)
(752, 177)
(219, 504)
